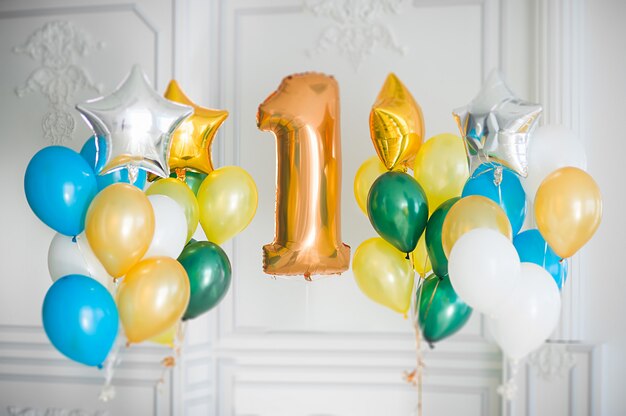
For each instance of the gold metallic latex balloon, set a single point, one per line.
(396, 124)
(421, 261)
(152, 297)
(472, 212)
(191, 141)
(383, 274)
(441, 168)
(228, 199)
(369, 171)
(119, 227)
(179, 192)
(303, 114)
(568, 209)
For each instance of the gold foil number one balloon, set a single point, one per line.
(303, 114)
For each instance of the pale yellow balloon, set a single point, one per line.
(179, 192)
(469, 213)
(568, 210)
(441, 168)
(384, 274)
(152, 297)
(421, 261)
(119, 227)
(167, 338)
(228, 200)
(369, 171)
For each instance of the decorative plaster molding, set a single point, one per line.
(52, 411)
(356, 30)
(552, 361)
(57, 45)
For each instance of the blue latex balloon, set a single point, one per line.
(80, 319)
(509, 195)
(121, 175)
(59, 187)
(532, 248)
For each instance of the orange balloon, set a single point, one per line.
(303, 114)
(119, 227)
(152, 297)
(472, 212)
(568, 210)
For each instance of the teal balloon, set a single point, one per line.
(398, 209)
(192, 179)
(509, 194)
(441, 312)
(80, 319)
(437, 256)
(209, 272)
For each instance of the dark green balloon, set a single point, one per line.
(209, 274)
(434, 247)
(441, 311)
(192, 179)
(398, 209)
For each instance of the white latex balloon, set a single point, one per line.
(67, 257)
(170, 227)
(483, 268)
(529, 315)
(64, 258)
(551, 148)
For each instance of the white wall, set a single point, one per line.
(605, 279)
(282, 347)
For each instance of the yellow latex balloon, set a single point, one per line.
(441, 168)
(228, 199)
(119, 227)
(421, 261)
(191, 141)
(383, 274)
(568, 209)
(179, 192)
(168, 337)
(396, 124)
(152, 297)
(369, 171)
(472, 212)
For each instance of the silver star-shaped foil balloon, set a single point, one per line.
(497, 126)
(137, 124)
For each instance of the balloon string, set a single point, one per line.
(107, 392)
(508, 390)
(82, 256)
(416, 376)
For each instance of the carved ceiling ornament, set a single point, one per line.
(356, 30)
(57, 46)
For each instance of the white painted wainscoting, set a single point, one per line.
(274, 346)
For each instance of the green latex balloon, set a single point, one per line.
(441, 311)
(437, 256)
(192, 179)
(398, 209)
(209, 272)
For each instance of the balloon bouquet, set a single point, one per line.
(124, 254)
(473, 241)
(399, 207)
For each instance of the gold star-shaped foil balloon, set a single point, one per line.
(191, 142)
(137, 124)
(396, 125)
(497, 126)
